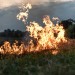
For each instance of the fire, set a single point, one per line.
(23, 15)
(41, 38)
(45, 36)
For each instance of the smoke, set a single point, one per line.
(8, 3)
(36, 2)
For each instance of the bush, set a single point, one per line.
(69, 26)
(67, 23)
(70, 31)
(12, 33)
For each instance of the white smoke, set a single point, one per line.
(8, 3)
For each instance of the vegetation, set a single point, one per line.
(41, 63)
(12, 33)
(67, 23)
(11, 36)
(70, 32)
(69, 26)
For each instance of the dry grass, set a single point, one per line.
(41, 63)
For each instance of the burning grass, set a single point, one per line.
(50, 37)
(45, 51)
(19, 49)
(38, 63)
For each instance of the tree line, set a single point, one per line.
(11, 33)
(69, 26)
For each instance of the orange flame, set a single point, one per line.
(47, 37)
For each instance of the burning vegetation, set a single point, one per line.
(49, 37)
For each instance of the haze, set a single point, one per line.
(8, 3)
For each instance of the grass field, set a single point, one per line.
(40, 63)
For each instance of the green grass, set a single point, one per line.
(42, 63)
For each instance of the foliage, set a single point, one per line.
(12, 33)
(70, 32)
(66, 23)
(69, 26)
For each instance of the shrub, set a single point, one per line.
(70, 31)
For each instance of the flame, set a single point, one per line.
(47, 37)
(23, 15)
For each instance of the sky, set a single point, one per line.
(8, 3)
(8, 18)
